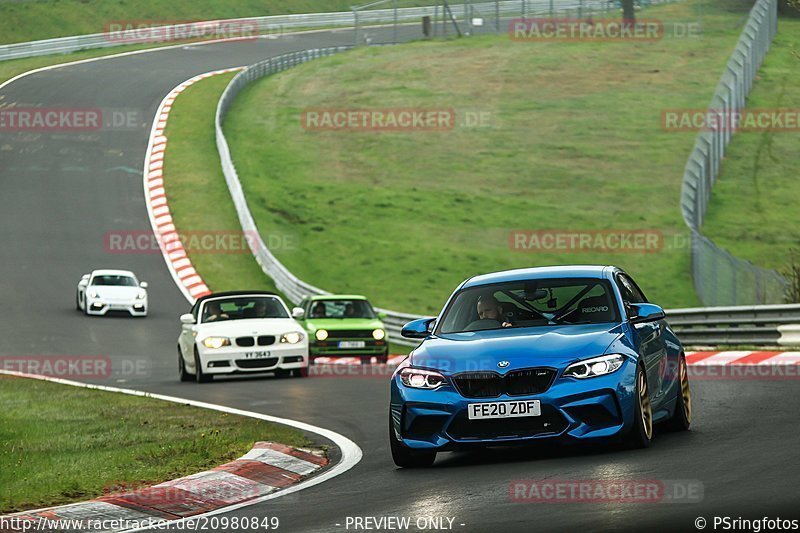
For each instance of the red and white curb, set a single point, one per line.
(742, 358)
(267, 468)
(267, 472)
(178, 262)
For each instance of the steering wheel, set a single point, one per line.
(482, 324)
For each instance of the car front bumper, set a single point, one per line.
(572, 410)
(235, 360)
(372, 348)
(103, 307)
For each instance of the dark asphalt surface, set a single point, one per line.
(60, 194)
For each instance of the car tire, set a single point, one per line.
(300, 372)
(383, 359)
(78, 301)
(283, 374)
(199, 376)
(641, 434)
(405, 457)
(681, 419)
(184, 375)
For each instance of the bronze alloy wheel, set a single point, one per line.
(685, 392)
(644, 406)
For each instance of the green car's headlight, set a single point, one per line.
(378, 334)
(597, 366)
(216, 343)
(321, 335)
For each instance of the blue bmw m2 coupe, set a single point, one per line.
(574, 353)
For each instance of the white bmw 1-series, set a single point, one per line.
(241, 333)
(105, 291)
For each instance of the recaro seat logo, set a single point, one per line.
(602, 309)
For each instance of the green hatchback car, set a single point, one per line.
(344, 326)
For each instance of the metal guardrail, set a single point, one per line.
(277, 24)
(259, 25)
(719, 277)
(748, 325)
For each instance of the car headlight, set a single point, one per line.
(378, 334)
(93, 294)
(216, 342)
(142, 295)
(321, 335)
(416, 378)
(597, 366)
(291, 338)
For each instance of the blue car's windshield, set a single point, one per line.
(531, 303)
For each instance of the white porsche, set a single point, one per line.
(241, 333)
(105, 291)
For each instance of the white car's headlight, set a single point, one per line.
(597, 366)
(141, 295)
(416, 378)
(291, 338)
(378, 334)
(216, 342)
(93, 294)
(321, 335)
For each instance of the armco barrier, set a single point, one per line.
(765, 325)
(279, 23)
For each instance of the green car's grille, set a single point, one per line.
(350, 334)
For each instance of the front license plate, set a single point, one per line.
(352, 344)
(256, 355)
(480, 411)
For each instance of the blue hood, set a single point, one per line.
(554, 346)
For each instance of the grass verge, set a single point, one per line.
(61, 444)
(574, 144)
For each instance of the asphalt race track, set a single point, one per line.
(61, 193)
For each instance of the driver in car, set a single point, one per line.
(214, 312)
(489, 308)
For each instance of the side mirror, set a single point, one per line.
(84, 282)
(382, 316)
(187, 319)
(645, 313)
(144, 285)
(298, 313)
(418, 329)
